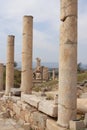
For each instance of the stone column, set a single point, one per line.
(1, 76)
(27, 74)
(10, 64)
(67, 64)
(53, 74)
(45, 73)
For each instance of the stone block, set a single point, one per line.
(27, 126)
(31, 99)
(21, 122)
(48, 108)
(19, 103)
(10, 105)
(5, 98)
(1, 94)
(83, 95)
(77, 125)
(16, 91)
(39, 119)
(4, 114)
(15, 99)
(25, 106)
(51, 125)
(12, 114)
(85, 120)
(28, 113)
(22, 115)
(27, 116)
(16, 109)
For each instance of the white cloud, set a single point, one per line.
(82, 31)
(46, 40)
(45, 46)
(43, 11)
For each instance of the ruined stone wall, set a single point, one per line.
(45, 73)
(28, 114)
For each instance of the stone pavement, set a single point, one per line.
(9, 124)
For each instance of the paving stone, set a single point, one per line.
(77, 125)
(9, 124)
(48, 108)
(26, 126)
(31, 99)
(51, 125)
(16, 109)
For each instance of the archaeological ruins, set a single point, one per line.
(40, 73)
(31, 108)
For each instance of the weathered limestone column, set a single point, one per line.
(1, 76)
(53, 75)
(27, 74)
(67, 64)
(45, 73)
(10, 64)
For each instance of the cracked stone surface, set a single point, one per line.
(67, 63)
(9, 124)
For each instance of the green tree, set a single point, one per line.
(79, 68)
(15, 64)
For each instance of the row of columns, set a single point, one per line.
(26, 76)
(67, 62)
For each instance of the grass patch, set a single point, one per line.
(49, 85)
(49, 97)
(17, 78)
(82, 76)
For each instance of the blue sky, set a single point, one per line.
(46, 28)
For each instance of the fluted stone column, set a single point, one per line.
(45, 73)
(53, 74)
(67, 64)
(10, 64)
(26, 79)
(1, 76)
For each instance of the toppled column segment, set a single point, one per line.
(67, 63)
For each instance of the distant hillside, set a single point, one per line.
(51, 65)
(84, 66)
(47, 64)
